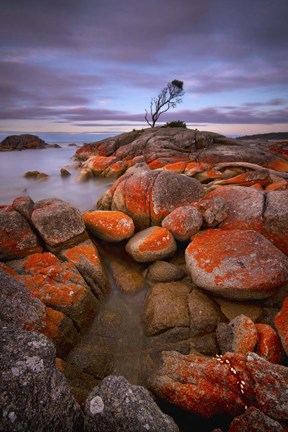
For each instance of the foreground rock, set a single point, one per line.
(34, 395)
(17, 239)
(254, 420)
(119, 406)
(223, 385)
(111, 226)
(236, 264)
(22, 142)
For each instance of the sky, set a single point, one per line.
(84, 69)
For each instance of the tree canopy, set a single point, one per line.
(167, 98)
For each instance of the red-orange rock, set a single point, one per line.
(17, 239)
(59, 285)
(177, 167)
(275, 226)
(86, 258)
(98, 164)
(222, 385)
(244, 207)
(239, 336)
(112, 226)
(281, 322)
(196, 167)
(236, 264)
(249, 178)
(60, 329)
(269, 344)
(183, 222)
(116, 169)
(154, 243)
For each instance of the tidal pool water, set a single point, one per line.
(13, 166)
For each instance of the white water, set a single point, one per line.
(14, 164)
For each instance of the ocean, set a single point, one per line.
(14, 164)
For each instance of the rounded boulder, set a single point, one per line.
(236, 264)
(151, 244)
(111, 226)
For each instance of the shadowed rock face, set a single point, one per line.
(22, 142)
(33, 394)
(117, 405)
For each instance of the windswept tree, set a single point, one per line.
(168, 98)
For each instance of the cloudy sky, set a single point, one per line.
(82, 68)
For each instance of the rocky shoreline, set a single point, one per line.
(193, 235)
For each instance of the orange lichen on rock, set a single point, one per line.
(177, 167)
(281, 322)
(52, 321)
(196, 167)
(116, 169)
(278, 164)
(87, 250)
(109, 225)
(157, 163)
(236, 264)
(159, 239)
(34, 263)
(249, 178)
(281, 185)
(269, 344)
(98, 164)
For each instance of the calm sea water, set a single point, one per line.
(13, 166)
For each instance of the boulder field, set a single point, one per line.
(194, 233)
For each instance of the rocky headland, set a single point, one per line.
(24, 142)
(174, 286)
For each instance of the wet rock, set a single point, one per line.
(22, 142)
(223, 385)
(17, 239)
(281, 322)
(64, 172)
(269, 344)
(275, 226)
(183, 222)
(163, 271)
(239, 336)
(236, 264)
(204, 313)
(116, 405)
(17, 305)
(34, 395)
(111, 226)
(254, 420)
(126, 277)
(86, 258)
(59, 285)
(166, 307)
(57, 221)
(151, 244)
(148, 196)
(60, 330)
(37, 175)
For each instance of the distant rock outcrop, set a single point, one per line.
(22, 142)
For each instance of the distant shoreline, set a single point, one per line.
(268, 136)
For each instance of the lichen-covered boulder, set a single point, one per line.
(281, 322)
(57, 221)
(222, 385)
(148, 196)
(239, 336)
(151, 244)
(236, 264)
(269, 344)
(244, 207)
(116, 406)
(86, 259)
(34, 395)
(275, 226)
(111, 226)
(17, 239)
(17, 305)
(58, 285)
(183, 222)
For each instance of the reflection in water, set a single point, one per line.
(13, 166)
